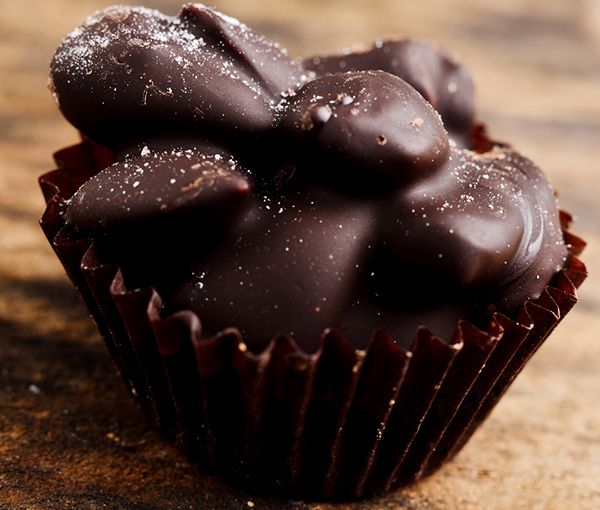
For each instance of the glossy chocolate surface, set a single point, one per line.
(351, 208)
(199, 185)
(437, 76)
(370, 126)
(132, 71)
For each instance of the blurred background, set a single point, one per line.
(536, 65)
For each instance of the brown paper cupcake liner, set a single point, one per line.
(339, 423)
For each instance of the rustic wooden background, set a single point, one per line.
(70, 436)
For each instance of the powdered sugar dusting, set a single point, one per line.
(118, 22)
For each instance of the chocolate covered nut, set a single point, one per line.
(487, 227)
(190, 186)
(299, 257)
(370, 124)
(132, 71)
(439, 77)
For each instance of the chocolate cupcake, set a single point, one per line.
(317, 277)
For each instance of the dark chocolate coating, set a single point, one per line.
(441, 79)
(483, 236)
(361, 215)
(370, 124)
(487, 225)
(195, 185)
(132, 71)
(293, 267)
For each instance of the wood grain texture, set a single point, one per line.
(70, 436)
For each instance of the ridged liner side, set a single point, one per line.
(339, 423)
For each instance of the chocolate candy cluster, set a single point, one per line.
(277, 195)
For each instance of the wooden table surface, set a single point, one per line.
(71, 437)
